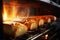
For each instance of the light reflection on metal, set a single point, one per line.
(46, 36)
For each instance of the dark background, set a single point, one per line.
(1, 27)
(57, 1)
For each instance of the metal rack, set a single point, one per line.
(36, 36)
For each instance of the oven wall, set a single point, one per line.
(38, 8)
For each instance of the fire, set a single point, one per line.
(14, 10)
(5, 15)
(19, 20)
(9, 11)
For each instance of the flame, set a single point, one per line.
(5, 14)
(9, 11)
(14, 10)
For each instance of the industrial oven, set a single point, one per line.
(29, 20)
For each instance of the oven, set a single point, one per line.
(29, 20)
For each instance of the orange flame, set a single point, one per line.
(9, 11)
(5, 14)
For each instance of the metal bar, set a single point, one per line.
(55, 4)
(32, 37)
(40, 34)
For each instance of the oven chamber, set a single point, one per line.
(15, 13)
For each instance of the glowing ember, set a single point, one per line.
(46, 36)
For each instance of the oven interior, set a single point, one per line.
(21, 20)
